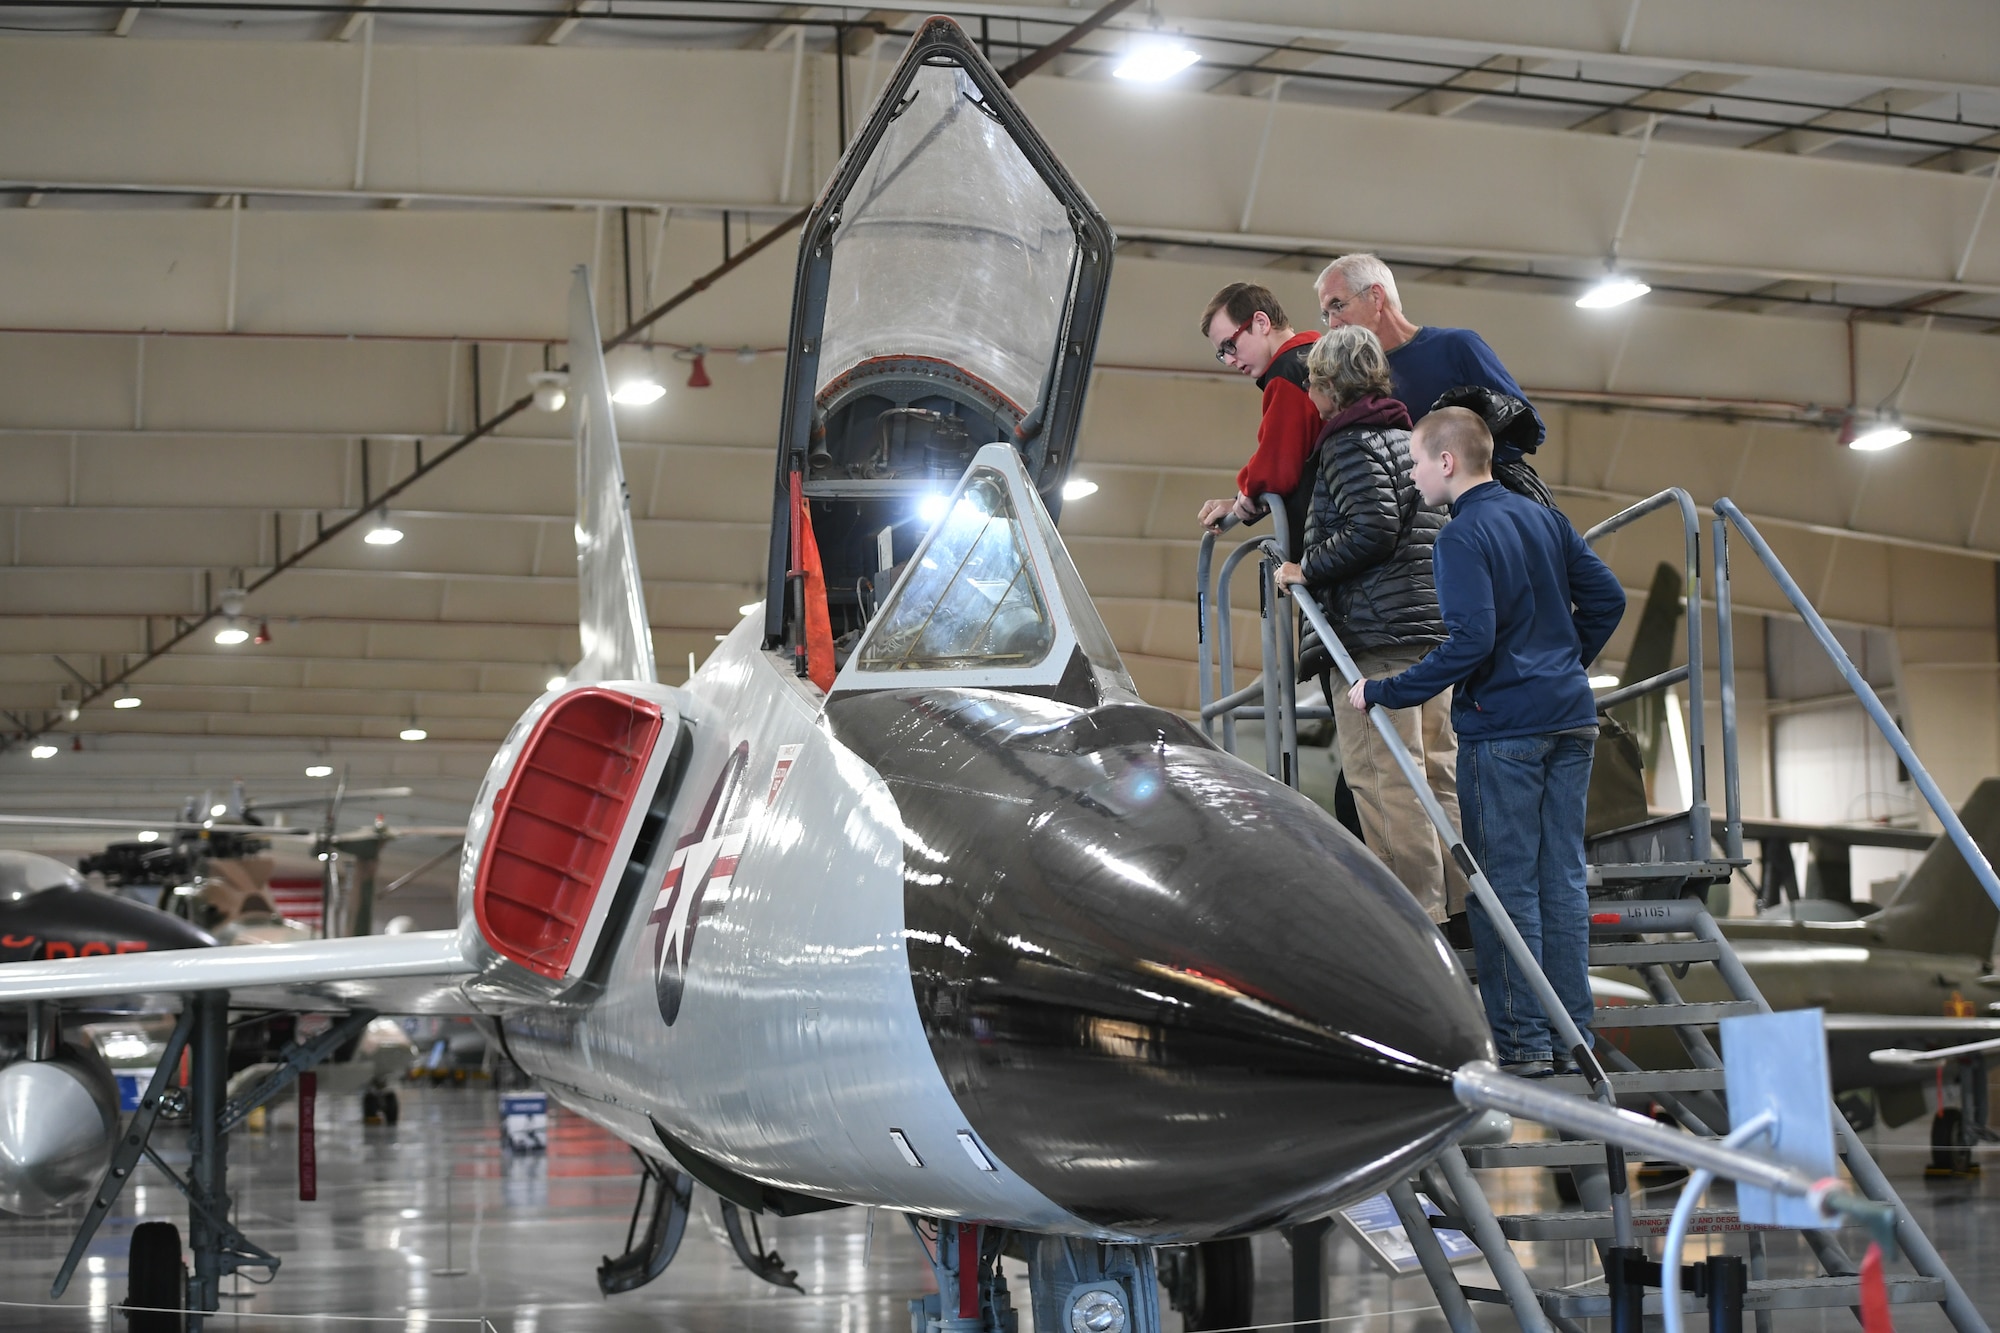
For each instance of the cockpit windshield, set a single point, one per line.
(990, 600)
(931, 259)
(972, 600)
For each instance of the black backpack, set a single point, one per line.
(1511, 422)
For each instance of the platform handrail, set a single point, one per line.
(1975, 858)
(1698, 808)
(1225, 637)
(1503, 925)
(1639, 688)
(1725, 665)
(1216, 673)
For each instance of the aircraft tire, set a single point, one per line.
(1951, 1146)
(1225, 1281)
(157, 1279)
(392, 1108)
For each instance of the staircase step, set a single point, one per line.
(1666, 951)
(1647, 1081)
(1535, 1152)
(1589, 1300)
(1706, 1014)
(1628, 954)
(1591, 1225)
(1639, 873)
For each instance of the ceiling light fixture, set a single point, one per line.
(319, 770)
(1612, 290)
(43, 752)
(556, 682)
(1155, 59)
(149, 835)
(633, 380)
(1076, 488)
(413, 733)
(126, 701)
(749, 608)
(1872, 439)
(232, 633)
(931, 508)
(551, 389)
(384, 533)
(1603, 682)
(218, 810)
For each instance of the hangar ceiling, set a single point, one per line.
(256, 258)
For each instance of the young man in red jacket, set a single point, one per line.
(1251, 335)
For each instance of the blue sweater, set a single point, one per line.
(1439, 359)
(1526, 606)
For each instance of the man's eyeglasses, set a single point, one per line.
(1225, 351)
(1335, 306)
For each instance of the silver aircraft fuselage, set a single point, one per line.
(1064, 969)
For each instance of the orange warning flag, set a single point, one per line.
(819, 625)
(1874, 1293)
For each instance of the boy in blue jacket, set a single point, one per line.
(1526, 607)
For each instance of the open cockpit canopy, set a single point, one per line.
(950, 284)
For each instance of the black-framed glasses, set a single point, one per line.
(1225, 351)
(1334, 307)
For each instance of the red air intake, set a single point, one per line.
(557, 822)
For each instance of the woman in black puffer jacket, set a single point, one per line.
(1367, 561)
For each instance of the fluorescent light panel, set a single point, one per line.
(1887, 435)
(1155, 60)
(1613, 291)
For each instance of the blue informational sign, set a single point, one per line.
(524, 1121)
(131, 1087)
(1778, 1063)
(1374, 1223)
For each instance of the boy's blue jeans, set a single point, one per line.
(1521, 801)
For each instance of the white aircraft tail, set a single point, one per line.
(617, 638)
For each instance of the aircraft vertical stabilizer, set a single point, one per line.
(611, 611)
(1941, 908)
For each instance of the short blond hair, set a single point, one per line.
(1459, 432)
(1347, 365)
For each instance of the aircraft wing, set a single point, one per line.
(1916, 1026)
(419, 972)
(1854, 835)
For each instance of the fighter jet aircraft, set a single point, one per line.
(1917, 973)
(906, 898)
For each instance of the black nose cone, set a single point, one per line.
(1171, 993)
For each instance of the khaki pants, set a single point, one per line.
(1393, 822)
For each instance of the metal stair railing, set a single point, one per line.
(1975, 859)
(1217, 678)
(1450, 1180)
(1692, 672)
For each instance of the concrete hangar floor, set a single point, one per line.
(438, 1191)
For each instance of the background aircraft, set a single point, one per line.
(48, 912)
(233, 866)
